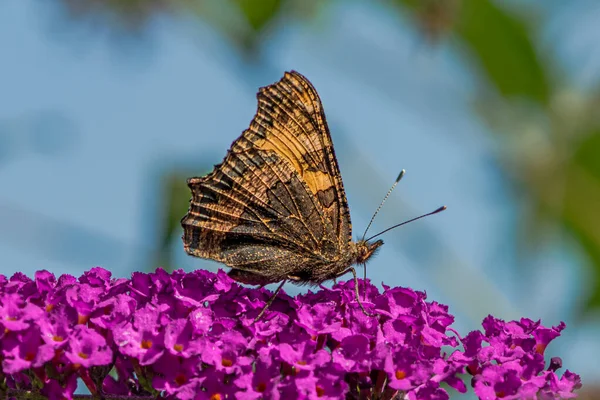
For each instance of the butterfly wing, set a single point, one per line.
(275, 206)
(296, 107)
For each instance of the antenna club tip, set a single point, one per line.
(442, 208)
(400, 175)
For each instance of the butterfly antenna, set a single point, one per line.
(442, 208)
(400, 175)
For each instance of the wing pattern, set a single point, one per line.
(275, 207)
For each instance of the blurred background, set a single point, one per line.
(107, 106)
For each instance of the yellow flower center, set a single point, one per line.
(226, 362)
(180, 379)
(320, 391)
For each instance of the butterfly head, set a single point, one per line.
(365, 250)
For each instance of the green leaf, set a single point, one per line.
(176, 201)
(588, 154)
(581, 205)
(592, 250)
(499, 41)
(240, 21)
(259, 13)
(503, 48)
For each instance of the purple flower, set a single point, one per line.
(83, 298)
(97, 277)
(497, 381)
(201, 319)
(56, 328)
(402, 331)
(22, 350)
(141, 339)
(193, 336)
(543, 336)
(214, 386)
(113, 311)
(430, 391)
(263, 381)
(354, 354)
(196, 288)
(55, 390)
(562, 387)
(88, 348)
(20, 283)
(319, 319)
(16, 314)
(181, 340)
(303, 355)
(472, 345)
(226, 353)
(354, 322)
(398, 301)
(326, 382)
(116, 387)
(447, 371)
(176, 374)
(264, 329)
(512, 366)
(404, 370)
(45, 282)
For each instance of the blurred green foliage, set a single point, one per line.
(499, 42)
(560, 175)
(582, 201)
(176, 198)
(503, 47)
(548, 143)
(259, 12)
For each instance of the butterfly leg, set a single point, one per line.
(271, 300)
(351, 269)
(365, 281)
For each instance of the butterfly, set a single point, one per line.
(275, 209)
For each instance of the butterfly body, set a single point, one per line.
(275, 209)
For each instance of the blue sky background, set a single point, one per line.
(88, 123)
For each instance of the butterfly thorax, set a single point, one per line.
(363, 250)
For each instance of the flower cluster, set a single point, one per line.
(193, 336)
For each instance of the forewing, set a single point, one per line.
(276, 204)
(290, 119)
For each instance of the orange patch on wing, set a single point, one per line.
(284, 150)
(316, 180)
